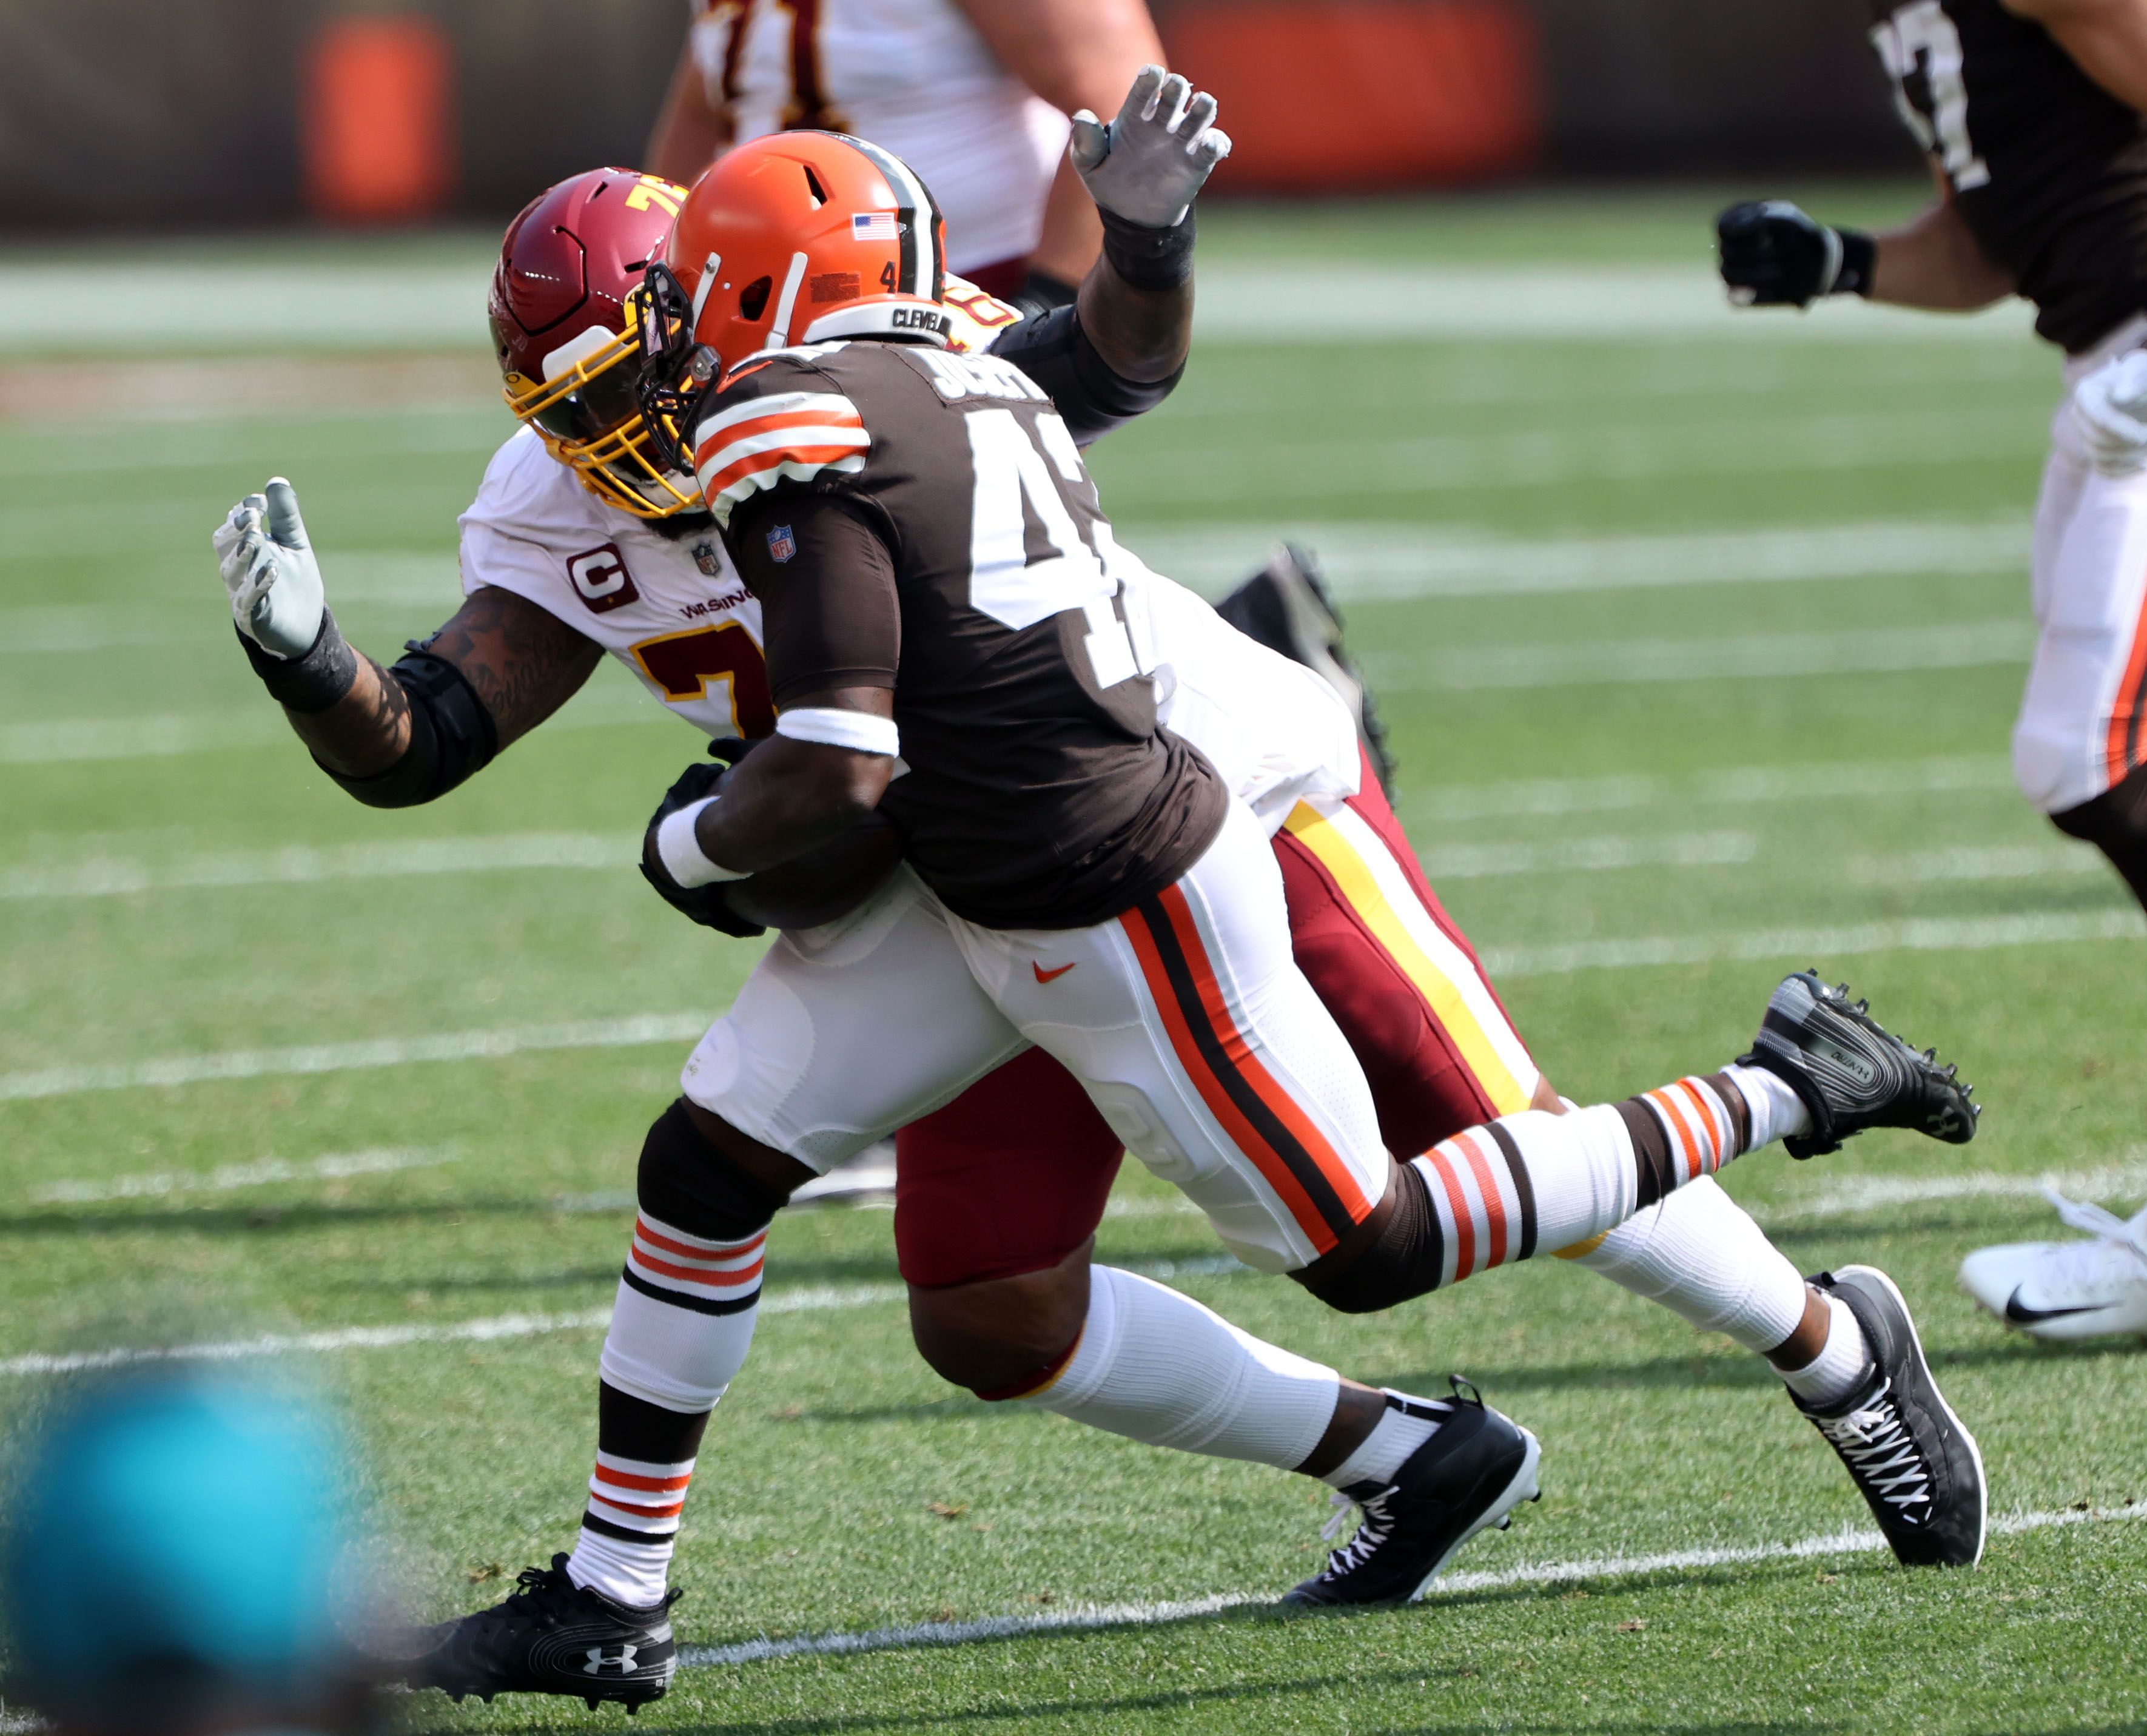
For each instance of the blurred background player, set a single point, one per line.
(974, 95)
(176, 1548)
(2030, 112)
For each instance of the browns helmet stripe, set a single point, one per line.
(922, 270)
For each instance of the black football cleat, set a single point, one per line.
(1469, 1476)
(549, 1637)
(1286, 606)
(1851, 1073)
(1915, 1464)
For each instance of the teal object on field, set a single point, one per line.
(181, 1531)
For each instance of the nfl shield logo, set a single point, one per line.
(781, 544)
(708, 560)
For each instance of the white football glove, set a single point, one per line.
(1146, 165)
(2110, 409)
(269, 571)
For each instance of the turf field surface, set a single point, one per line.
(1700, 643)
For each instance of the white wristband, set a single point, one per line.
(679, 850)
(832, 727)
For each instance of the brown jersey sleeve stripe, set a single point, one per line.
(1297, 1162)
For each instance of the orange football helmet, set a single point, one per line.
(797, 238)
(566, 327)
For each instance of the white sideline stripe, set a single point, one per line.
(346, 1056)
(261, 1172)
(1087, 1618)
(1913, 934)
(1370, 562)
(1874, 1193)
(1819, 781)
(1968, 644)
(105, 876)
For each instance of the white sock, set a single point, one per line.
(1699, 1253)
(634, 1573)
(665, 1344)
(1404, 1426)
(1155, 1366)
(1581, 1179)
(1776, 1110)
(1843, 1363)
(681, 1326)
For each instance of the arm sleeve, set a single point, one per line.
(1092, 397)
(825, 580)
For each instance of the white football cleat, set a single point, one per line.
(2066, 1291)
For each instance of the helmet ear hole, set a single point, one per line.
(752, 299)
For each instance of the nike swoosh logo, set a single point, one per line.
(1052, 975)
(2020, 1316)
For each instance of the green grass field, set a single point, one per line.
(271, 1063)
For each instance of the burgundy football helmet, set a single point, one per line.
(566, 328)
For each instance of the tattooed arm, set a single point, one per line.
(523, 661)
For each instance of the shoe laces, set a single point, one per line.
(1374, 1526)
(2099, 1222)
(1880, 1452)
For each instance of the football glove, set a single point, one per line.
(705, 905)
(1146, 165)
(1772, 255)
(269, 572)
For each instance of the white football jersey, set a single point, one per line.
(911, 76)
(674, 611)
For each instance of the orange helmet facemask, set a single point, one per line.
(566, 326)
(797, 237)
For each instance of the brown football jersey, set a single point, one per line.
(2048, 169)
(922, 521)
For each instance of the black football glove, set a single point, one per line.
(1773, 256)
(705, 905)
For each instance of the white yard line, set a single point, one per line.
(378, 576)
(158, 735)
(230, 1177)
(812, 1299)
(2126, 1181)
(1961, 934)
(807, 1299)
(1914, 934)
(1371, 562)
(1266, 304)
(1967, 644)
(300, 305)
(1822, 781)
(1587, 855)
(1084, 1618)
(378, 1052)
(105, 877)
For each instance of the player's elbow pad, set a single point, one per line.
(452, 737)
(1091, 396)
